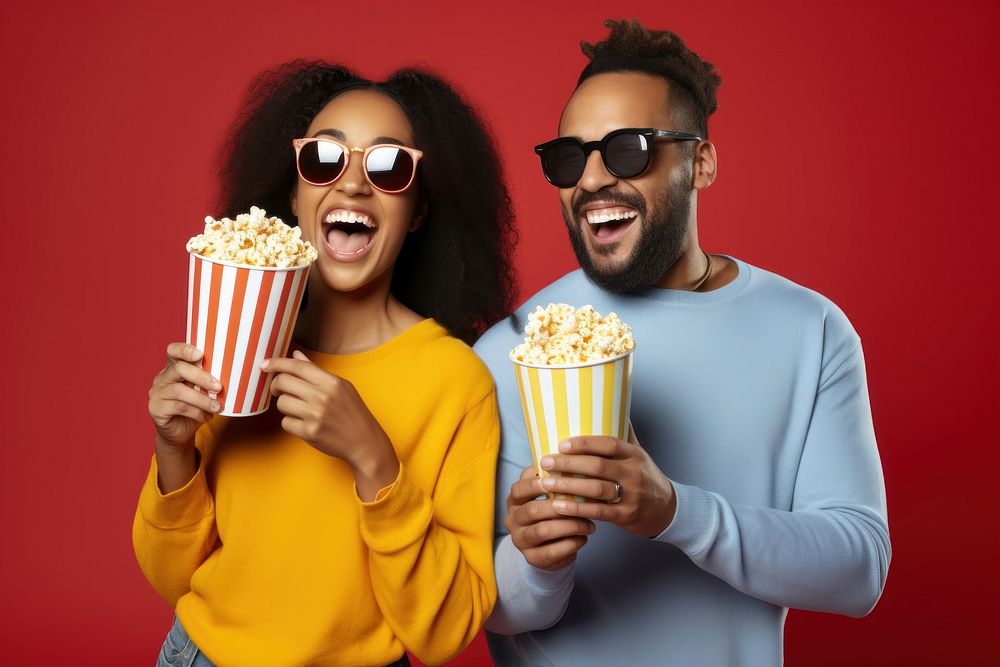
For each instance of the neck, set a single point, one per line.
(351, 322)
(689, 268)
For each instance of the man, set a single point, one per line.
(751, 481)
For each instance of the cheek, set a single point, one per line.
(566, 198)
(399, 210)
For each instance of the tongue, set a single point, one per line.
(348, 244)
(606, 229)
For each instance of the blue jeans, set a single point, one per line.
(179, 651)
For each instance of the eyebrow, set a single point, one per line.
(337, 134)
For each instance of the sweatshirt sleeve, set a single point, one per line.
(431, 558)
(173, 534)
(829, 553)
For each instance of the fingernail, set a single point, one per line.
(548, 483)
(547, 462)
(215, 406)
(565, 446)
(559, 505)
(216, 385)
(264, 364)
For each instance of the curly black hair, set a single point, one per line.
(632, 47)
(457, 266)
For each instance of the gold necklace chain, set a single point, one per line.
(708, 272)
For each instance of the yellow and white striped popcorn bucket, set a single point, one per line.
(591, 398)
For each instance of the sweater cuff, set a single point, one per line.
(694, 520)
(544, 582)
(397, 519)
(181, 508)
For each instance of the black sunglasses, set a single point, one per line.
(626, 153)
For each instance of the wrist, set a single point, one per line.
(175, 465)
(374, 471)
(669, 510)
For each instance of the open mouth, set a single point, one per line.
(349, 234)
(608, 224)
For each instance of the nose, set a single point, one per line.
(595, 174)
(353, 181)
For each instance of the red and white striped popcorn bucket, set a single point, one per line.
(239, 316)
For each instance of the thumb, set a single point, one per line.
(631, 436)
(297, 354)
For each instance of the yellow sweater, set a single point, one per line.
(272, 559)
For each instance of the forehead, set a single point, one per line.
(363, 115)
(610, 101)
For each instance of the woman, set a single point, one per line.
(353, 520)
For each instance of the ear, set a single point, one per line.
(419, 215)
(706, 165)
(293, 201)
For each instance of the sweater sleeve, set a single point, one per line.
(430, 557)
(174, 533)
(831, 551)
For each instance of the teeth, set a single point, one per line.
(351, 217)
(596, 218)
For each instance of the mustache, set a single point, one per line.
(608, 195)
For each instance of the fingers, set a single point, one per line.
(183, 352)
(295, 426)
(524, 490)
(182, 365)
(195, 375)
(595, 445)
(555, 555)
(597, 489)
(173, 408)
(536, 511)
(583, 464)
(292, 406)
(285, 383)
(163, 400)
(593, 511)
(551, 530)
(300, 367)
(546, 539)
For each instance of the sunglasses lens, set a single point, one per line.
(563, 163)
(389, 169)
(627, 155)
(321, 162)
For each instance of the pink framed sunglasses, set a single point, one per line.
(389, 168)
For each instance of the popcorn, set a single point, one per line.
(560, 334)
(253, 240)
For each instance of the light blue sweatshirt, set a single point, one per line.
(753, 400)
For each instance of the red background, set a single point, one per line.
(857, 144)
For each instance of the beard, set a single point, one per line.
(659, 245)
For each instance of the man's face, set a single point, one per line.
(646, 217)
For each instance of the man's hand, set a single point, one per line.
(647, 502)
(548, 540)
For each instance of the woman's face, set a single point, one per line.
(357, 229)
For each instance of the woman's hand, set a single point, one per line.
(177, 410)
(327, 412)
